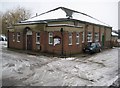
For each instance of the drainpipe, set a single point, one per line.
(8, 39)
(61, 30)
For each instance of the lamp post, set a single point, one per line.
(61, 30)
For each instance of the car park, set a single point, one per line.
(92, 48)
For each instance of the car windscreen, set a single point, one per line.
(93, 45)
(1, 39)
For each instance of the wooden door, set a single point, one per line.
(29, 42)
(103, 39)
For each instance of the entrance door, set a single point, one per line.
(29, 42)
(103, 39)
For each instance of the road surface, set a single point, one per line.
(20, 69)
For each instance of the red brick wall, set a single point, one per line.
(52, 48)
(67, 49)
(34, 41)
(93, 33)
(11, 43)
(100, 35)
(107, 44)
(46, 47)
(15, 44)
(74, 48)
(43, 41)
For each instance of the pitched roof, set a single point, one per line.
(61, 13)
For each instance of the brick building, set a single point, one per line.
(60, 31)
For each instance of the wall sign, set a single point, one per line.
(56, 40)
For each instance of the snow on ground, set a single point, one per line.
(3, 44)
(96, 70)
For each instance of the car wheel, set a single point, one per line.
(100, 50)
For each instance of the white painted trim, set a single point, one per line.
(83, 37)
(37, 42)
(70, 37)
(13, 37)
(89, 37)
(78, 37)
(18, 36)
(49, 38)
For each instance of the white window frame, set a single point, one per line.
(18, 35)
(83, 37)
(77, 38)
(96, 37)
(70, 39)
(37, 37)
(13, 37)
(50, 36)
(89, 37)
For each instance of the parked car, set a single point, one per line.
(3, 40)
(92, 48)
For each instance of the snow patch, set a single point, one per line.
(69, 58)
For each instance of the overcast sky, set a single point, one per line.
(104, 10)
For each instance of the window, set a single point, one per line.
(13, 37)
(82, 37)
(70, 38)
(96, 37)
(51, 38)
(18, 37)
(38, 38)
(77, 38)
(89, 37)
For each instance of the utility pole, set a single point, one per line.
(61, 30)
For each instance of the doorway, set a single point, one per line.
(29, 40)
(103, 39)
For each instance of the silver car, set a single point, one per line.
(3, 40)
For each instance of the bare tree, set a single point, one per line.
(0, 22)
(11, 17)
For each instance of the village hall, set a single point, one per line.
(60, 31)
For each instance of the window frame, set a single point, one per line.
(77, 38)
(37, 36)
(13, 36)
(96, 37)
(50, 35)
(18, 36)
(89, 37)
(69, 38)
(83, 37)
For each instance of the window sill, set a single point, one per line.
(50, 43)
(89, 41)
(70, 44)
(37, 43)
